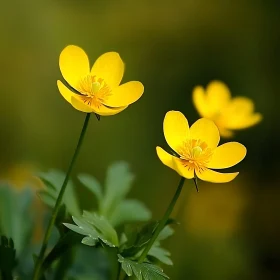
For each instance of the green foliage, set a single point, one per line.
(7, 258)
(53, 181)
(65, 243)
(111, 202)
(90, 228)
(113, 210)
(92, 185)
(137, 238)
(142, 271)
(159, 253)
(90, 264)
(15, 215)
(95, 228)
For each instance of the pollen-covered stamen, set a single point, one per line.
(95, 91)
(195, 154)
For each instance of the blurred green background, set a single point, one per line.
(227, 231)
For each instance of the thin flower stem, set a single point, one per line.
(37, 269)
(163, 221)
(195, 182)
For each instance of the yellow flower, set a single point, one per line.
(197, 149)
(98, 89)
(228, 113)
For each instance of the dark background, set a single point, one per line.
(227, 231)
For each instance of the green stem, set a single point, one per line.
(163, 221)
(37, 270)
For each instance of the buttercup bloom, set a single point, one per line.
(98, 89)
(197, 149)
(228, 113)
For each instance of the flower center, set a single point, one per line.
(94, 90)
(195, 154)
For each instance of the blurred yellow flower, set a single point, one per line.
(98, 89)
(228, 113)
(20, 177)
(197, 149)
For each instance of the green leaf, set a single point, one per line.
(137, 237)
(47, 197)
(145, 234)
(16, 218)
(53, 181)
(165, 233)
(103, 226)
(117, 185)
(93, 185)
(94, 227)
(142, 271)
(161, 254)
(127, 268)
(85, 225)
(89, 241)
(76, 229)
(7, 257)
(82, 227)
(112, 204)
(130, 210)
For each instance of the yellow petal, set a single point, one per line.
(125, 94)
(74, 64)
(200, 102)
(227, 155)
(239, 114)
(226, 133)
(165, 158)
(79, 105)
(102, 110)
(243, 122)
(241, 105)
(207, 131)
(184, 171)
(65, 92)
(216, 177)
(105, 111)
(110, 67)
(218, 95)
(175, 128)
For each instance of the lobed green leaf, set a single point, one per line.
(117, 185)
(130, 210)
(142, 271)
(95, 228)
(53, 180)
(93, 185)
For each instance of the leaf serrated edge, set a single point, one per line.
(144, 272)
